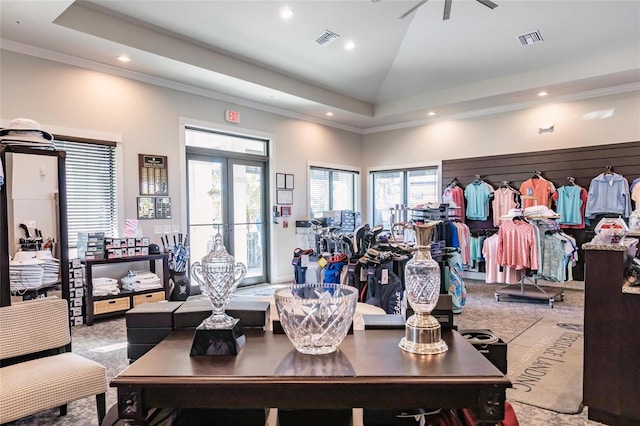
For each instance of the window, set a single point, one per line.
(408, 188)
(216, 140)
(91, 186)
(332, 189)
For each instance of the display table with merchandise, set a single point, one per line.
(369, 370)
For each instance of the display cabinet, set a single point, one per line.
(611, 343)
(48, 208)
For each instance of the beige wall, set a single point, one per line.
(146, 119)
(594, 121)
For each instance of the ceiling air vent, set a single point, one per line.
(326, 38)
(530, 38)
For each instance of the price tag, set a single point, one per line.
(322, 262)
(304, 260)
(363, 274)
(384, 278)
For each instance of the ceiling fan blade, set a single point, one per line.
(408, 12)
(488, 3)
(447, 10)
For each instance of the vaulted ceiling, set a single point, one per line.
(400, 69)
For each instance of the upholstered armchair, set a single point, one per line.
(37, 369)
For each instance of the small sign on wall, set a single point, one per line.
(232, 116)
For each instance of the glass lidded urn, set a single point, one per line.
(219, 276)
(422, 288)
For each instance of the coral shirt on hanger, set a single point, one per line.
(540, 189)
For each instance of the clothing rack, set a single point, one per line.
(531, 289)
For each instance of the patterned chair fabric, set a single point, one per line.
(50, 381)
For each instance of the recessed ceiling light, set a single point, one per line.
(286, 13)
(350, 45)
(124, 58)
(543, 93)
(329, 114)
(431, 113)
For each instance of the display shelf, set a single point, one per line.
(109, 305)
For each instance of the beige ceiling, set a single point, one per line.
(241, 51)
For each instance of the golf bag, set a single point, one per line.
(453, 279)
(384, 288)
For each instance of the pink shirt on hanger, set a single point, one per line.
(517, 245)
(493, 274)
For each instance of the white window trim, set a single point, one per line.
(184, 122)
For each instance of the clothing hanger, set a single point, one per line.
(608, 170)
(477, 180)
(537, 174)
(505, 184)
(572, 180)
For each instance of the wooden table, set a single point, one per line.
(369, 370)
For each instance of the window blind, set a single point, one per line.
(320, 189)
(332, 189)
(91, 187)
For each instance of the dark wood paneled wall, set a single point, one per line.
(582, 163)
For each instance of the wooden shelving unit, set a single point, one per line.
(103, 306)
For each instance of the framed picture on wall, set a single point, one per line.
(280, 181)
(163, 207)
(146, 208)
(153, 174)
(284, 196)
(288, 182)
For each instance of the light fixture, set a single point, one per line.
(286, 13)
(546, 128)
(123, 58)
(329, 114)
(350, 45)
(542, 94)
(431, 113)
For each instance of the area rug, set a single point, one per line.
(545, 366)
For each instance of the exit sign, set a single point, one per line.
(232, 116)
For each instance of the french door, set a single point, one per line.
(228, 196)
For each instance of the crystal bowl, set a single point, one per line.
(316, 317)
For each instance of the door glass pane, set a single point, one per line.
(387, 193)
(248, 225)
(205, 205)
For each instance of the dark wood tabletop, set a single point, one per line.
(369, 370)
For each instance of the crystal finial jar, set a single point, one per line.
(422, 287)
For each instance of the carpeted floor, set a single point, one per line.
(507, 319)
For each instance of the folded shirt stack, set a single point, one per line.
(105, 286)
(140, 280)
